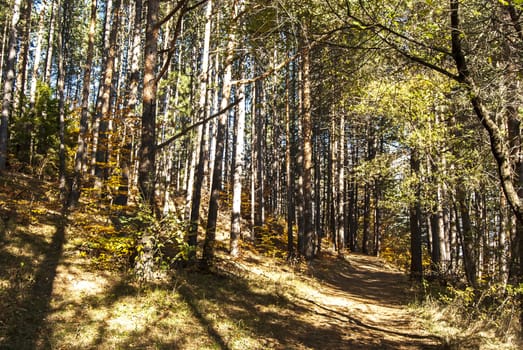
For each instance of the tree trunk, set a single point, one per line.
(212, 219)
(80, 158)
(340, 221)
(308, 248)
(35, 78)
(377, 218)
(237, 176)
(366, 219)
(147, 153)
(467, 238)
(50, 43)
(104, 116)
(196, 178)
(259, 135)
(416, 267)
(291, 213)
(2, 52)
(62, 49)
(7, 101)
(23, 56)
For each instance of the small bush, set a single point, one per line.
(487, 317)
(161, 240)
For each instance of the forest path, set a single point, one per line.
(369, 301)
(52, 296)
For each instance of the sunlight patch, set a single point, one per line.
(88, 287)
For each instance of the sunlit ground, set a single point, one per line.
(53, 296)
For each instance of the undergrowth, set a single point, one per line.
(118, 243)
(468, 318)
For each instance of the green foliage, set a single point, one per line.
(35, 133)
(271, 238)
(167, 235)
(113, 251)
(493, 308)
(181, 105)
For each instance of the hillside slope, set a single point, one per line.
(52, 296)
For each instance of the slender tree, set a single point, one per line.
(7, 101)
(210, 233)
(81, 151)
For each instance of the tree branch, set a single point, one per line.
(377, 28)
(195, 125)
(164, 20)
(497, 143)
(288, 60)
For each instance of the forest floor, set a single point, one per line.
(52, 296)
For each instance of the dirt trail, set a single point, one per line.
(52, 297)
(369, 301)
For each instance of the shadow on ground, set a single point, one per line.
(43, 306)
(27, 287)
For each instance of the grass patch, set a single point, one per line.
(472, 319)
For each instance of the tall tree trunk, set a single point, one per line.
(366, 219)
(340, 221)
(50, 42)
(130, 104)
(62, 49)
(259, 134)
(196, 178)
(237, 176)
(416, 267)
(377, 217)
(35, 77)
(371, 154)
(109, 8)
(299, 161)
(80, 158)
(308, 247)
(7, 101)
(2, 52)
(317, 193)
(467, 237)
(503, 246)
(212, 219)
(331, 183)
(147, 153)
(23, 56)
(105, 118)
(291, 214)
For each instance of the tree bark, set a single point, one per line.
(340, 221)
(291, 212)
(62, 49)
(416, 267)
(467, 238)
(35, 78)
(23, 56)
(106, 100)
(147, 153)
(50, 43)
(80, 158)
(308, 247)
(237, 175)
(7, 101)
(196, 178)
(212, 219)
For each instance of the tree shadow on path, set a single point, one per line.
(23, 323)
(376, 298)
(262, 313)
